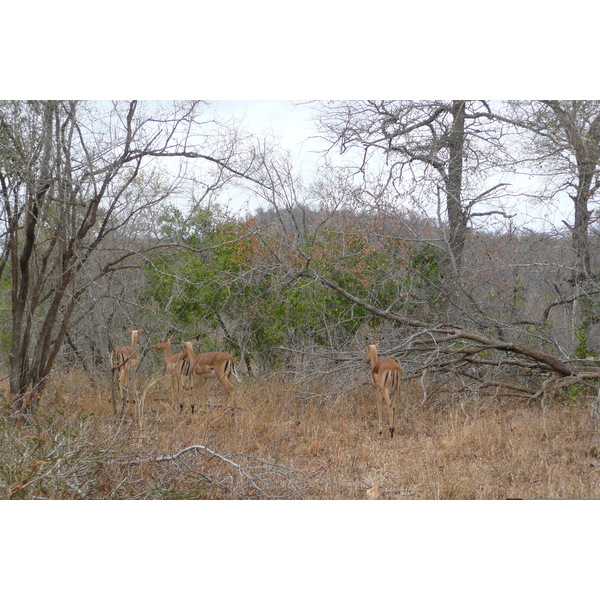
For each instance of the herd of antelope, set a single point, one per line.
(188, 371)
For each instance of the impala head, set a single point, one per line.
(165, 342)
(129, 330)
(134, 334)
(372, 352)
(187, 352)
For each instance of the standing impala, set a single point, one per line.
(385, 374)
(210, 365)
(177, 365)
(125, 360)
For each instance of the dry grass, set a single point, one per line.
(283, 440)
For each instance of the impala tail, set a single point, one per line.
(392, 377)
(230, 368)
(117, 360)
(185, 367)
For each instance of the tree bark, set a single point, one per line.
(585, 146)
(457, 217)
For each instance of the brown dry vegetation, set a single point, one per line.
(286, 440)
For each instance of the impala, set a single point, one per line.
(125, 360)
(177, 365)
(385, 375)
(210, 365)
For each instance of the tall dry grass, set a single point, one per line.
(280, 439)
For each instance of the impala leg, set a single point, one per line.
(191, 381)
(379, 402)
(396, 400)
(200, 395)
(123, 387)
(182, 395)
(195, 383)
(113, 393)
(390, 411)
(135, 390)
(175, 388)
(224, 381)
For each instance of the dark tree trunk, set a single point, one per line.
(457, 217)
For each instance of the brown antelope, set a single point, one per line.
(177, 365)
(210, 365)
(385, 375)
(125, 360)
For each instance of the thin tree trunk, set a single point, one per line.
(19, 364)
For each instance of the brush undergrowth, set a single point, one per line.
(278, 439)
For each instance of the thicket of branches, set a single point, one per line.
(413, 233)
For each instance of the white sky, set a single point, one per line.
(290, 122)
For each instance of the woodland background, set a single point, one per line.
(414, 232)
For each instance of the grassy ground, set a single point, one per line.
(285, 440)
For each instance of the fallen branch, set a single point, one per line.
(541, 360)
(256, 477)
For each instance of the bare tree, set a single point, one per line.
(446, 146)
(72, 176)
(562, 139)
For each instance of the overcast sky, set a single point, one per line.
(290, 122)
